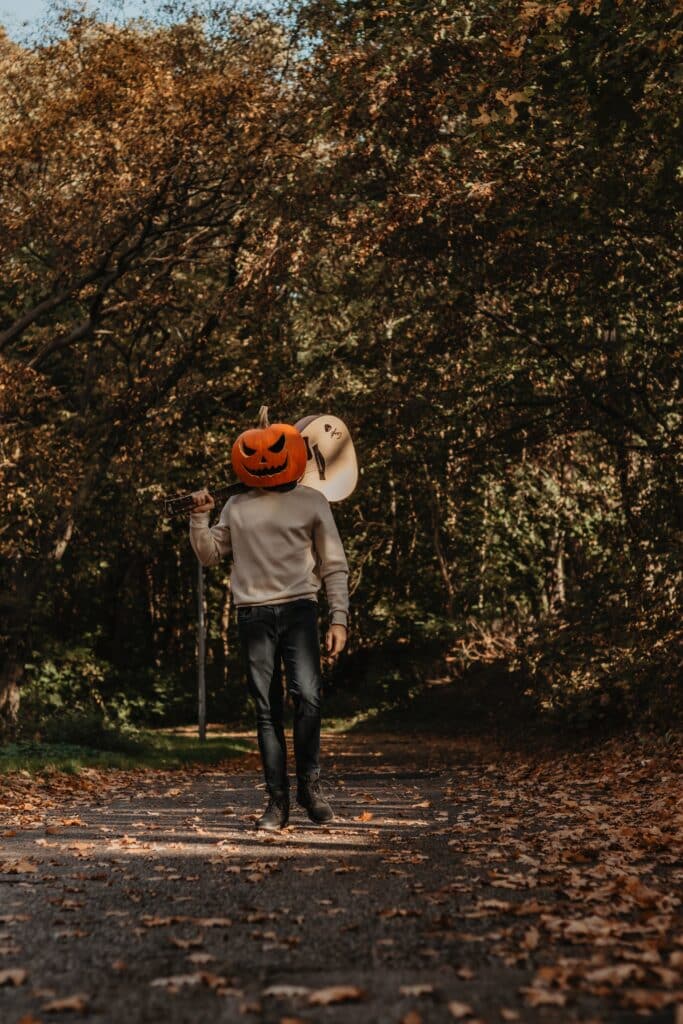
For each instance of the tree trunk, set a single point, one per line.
(10, 678)
(441, 558)
(559, 596)
(16, 611)
(483, 552)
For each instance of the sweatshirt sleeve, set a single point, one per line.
(332, 565)
(210, 544)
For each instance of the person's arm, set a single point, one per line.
(334, 572)
(209, 544)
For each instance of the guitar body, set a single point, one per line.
(331, 466)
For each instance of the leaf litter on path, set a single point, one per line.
(562, 868)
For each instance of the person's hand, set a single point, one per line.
(203, 502)
(335, 640)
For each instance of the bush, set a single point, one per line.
(91, 729)
(65, 701)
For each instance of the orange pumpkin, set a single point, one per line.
(269, 455)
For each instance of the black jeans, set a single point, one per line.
(271, 634)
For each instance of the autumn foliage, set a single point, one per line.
(453, 224)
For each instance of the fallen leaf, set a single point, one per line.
(494, 905)
(642, 894)
(645, 999)
(229, 991)
(13, 976)
(213, 981)
(466, 973)
(69, 1004)
(20, 866)
(252, 1007)
(411, 1017)
(364, 816)
(177, 981)
(286, 991)
(460, 1010)
(509, 1015)
(336, 994)
(588, 927)
(543, 997)
(196, 940)
(615, 974)
(667, 977)
(81, 846)
(417, 990)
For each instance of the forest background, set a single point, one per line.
(453, 224)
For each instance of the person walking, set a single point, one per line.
(284, 545)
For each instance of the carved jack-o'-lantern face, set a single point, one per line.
(269, 456)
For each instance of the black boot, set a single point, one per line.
(276, 814)
(309, 797)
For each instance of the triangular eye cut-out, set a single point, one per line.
(278, 446)
(247, 450)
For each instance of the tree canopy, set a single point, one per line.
(454, 225)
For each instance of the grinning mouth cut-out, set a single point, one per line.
(270, 470)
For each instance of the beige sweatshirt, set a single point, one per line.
(283, 545)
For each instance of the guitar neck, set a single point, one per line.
(183, 504)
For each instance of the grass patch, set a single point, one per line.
(147, 749)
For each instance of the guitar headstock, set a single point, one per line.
(182, 504)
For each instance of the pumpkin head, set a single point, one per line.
(269, 455)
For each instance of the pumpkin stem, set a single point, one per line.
(263, 420)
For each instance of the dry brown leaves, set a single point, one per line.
(13, 976)
(173, 984)
(18, 866)
(565, 868)
(32, 801)
(149, 921)
(417, 990)
(285, 991)
(460, 1010)
(336, 994)
(571, 866)
(78, 1003)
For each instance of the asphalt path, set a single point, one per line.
(434, 895)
